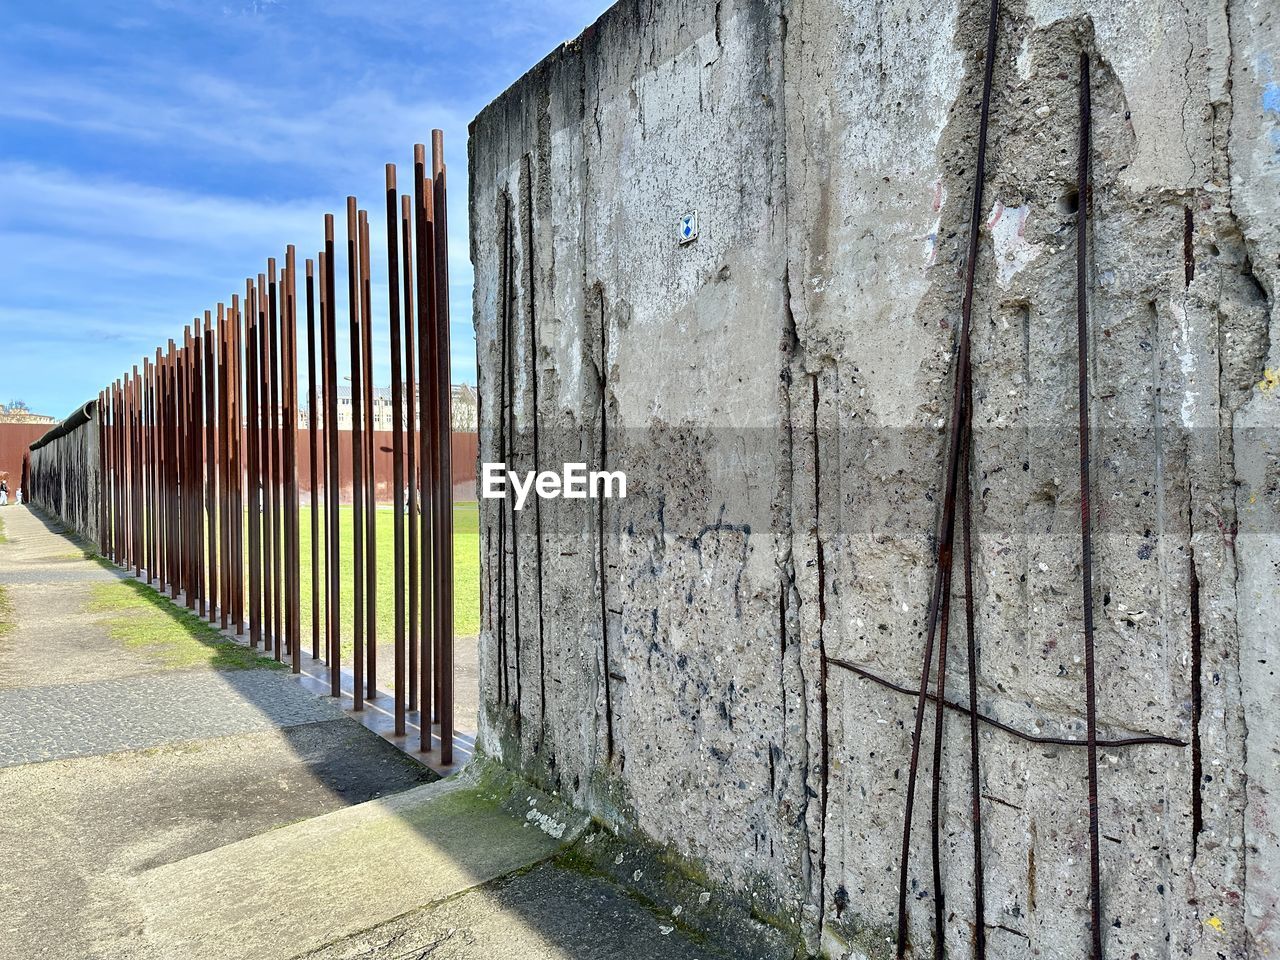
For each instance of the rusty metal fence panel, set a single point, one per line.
(185, 470)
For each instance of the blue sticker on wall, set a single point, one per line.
(688, 228)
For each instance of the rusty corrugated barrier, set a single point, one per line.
(185, 470)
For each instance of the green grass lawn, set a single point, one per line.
(466, 572)
(149, 623)
(6, 611)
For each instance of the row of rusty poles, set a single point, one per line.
(171, 462)
(186, 437)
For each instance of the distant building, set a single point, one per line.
(464, 409)
(20, 414)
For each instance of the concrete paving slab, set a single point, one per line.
(133, 713)
(302, 886)
(75, 831)
(547, 913)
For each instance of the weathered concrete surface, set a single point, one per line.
(776, 392)
(76, 832)
(1252, 83)
(545, 914)
(338, 874)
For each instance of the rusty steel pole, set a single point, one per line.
(312, 452)
(112, 483)
(161, 469)
(326, 350)
(181, 463)
(357, 455)
(237, 465)
(424, 259)
(197, 468)
(397, 444)
(293, 557)
(121, 443)
(264, 463)
(144, 437)
(210, 471)
(431, 404)
(444, 537)
(153, 446)
(157, 475)
(333, 539)
(224, 467)
(116, 553)
(231, 519)
(267, 465)
(411, 456)
(252, 395)
(368, 452)
(102, 473)
(172, 525)
(130, 445)
(276, 466)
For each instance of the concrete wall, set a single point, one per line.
(65, 480)
(776, 391)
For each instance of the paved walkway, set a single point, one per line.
(134, 713)
(155, 813)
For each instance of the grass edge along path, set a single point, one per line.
(148, 623)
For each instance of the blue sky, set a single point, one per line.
(154, 153)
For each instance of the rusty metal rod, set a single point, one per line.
(367, 451)
(1086, 536)
(102, 473)
(293, 563)
(210, 468)
(276, 466)
(947, 521)
(1145, 739)
(357, 457)
(975, 786)
(144, 437)
(397, 446)
(444, 623)
(424, 259)
(411, 453)
(312, 466)
(173, 510)
(223, 461)
(235, 518)
(264, 459)
(935, 794)
(197, 469)
(332, 538)
(254, 457)
(326, 387)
